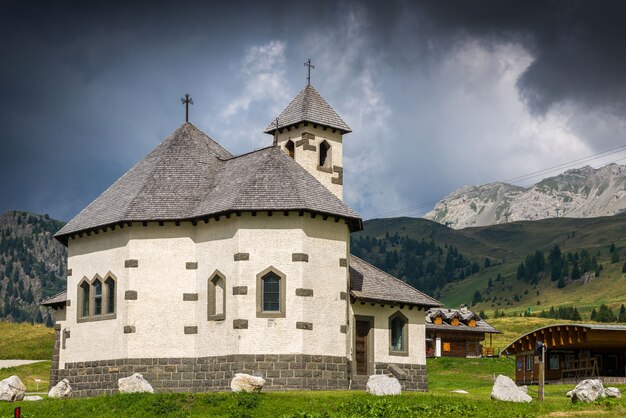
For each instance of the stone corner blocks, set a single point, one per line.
(132, 263)
(130, 295)
(240, 324)
(191, 329)
(242, 256)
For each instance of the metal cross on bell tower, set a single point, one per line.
(187, 100)
(308, 64)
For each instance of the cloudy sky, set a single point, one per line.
(439, 94)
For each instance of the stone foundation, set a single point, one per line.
(54, 367)
(209, 374)
(412, 377)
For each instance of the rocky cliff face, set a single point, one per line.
(578, 193)
(32, 265)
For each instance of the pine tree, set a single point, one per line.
(576, 315)
(561, 283)
(39, 318)
(624, 267)
(621, 317)
(594, 315)
(49, 322)
(615, 257)
(483, 315)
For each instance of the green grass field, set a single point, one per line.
(25, 341)
(445, 375)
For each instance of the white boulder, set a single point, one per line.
(243, 382)
(61, 390)
(33, 398)
(382, 385)
(587, 390)
(134, 384)
(12, 389)
(505, 389)
(612, 392)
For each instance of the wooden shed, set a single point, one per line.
(574, 352)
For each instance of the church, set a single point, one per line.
(198, 264)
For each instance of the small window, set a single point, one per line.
(472, 323)
(529, 362)
(454, 322)
(110, 295)
(291, 149)
(446, 347)
(324, 154)
(398, 334)
(438, 320)
(84, 294)
(270, 294)
(217, 297)
(97, 297)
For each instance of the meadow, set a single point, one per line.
(445, 375)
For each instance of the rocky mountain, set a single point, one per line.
(32, 265)
(577, 193)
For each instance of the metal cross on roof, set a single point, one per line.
(308, 64)
(187, 100)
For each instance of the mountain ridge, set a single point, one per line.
(584, 192)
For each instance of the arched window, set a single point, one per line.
(84, 299)
(291, 149)
(217, 297)
(325, 154)
(109, 285)
(97, 297)
(270, 292)
(398, 334)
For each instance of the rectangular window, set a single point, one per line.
(554, 362)
(529, 362)
(271, 294)
(446, 347)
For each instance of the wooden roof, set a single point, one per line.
(573, 336)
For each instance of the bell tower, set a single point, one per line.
(311, 132)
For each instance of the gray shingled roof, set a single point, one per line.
(190, 176)
(57, 299)
(369, 283)
(309, 106)
(464, 315)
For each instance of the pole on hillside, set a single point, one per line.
(540, 348)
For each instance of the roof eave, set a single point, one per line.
(343, 131)
(391, 302)
(355, 224)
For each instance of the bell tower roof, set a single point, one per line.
(309, 106)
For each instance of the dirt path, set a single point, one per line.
(12, 363)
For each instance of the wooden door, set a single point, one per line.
(361, 354)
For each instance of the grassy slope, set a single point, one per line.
(510, 243)
(25, 341)
(28, 373)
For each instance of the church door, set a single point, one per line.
(361, 346)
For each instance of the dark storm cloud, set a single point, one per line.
(578, 46)
(88, 88)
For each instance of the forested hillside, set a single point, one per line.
(32, 266)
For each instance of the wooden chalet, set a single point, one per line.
(457, 333)
(574, 352)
